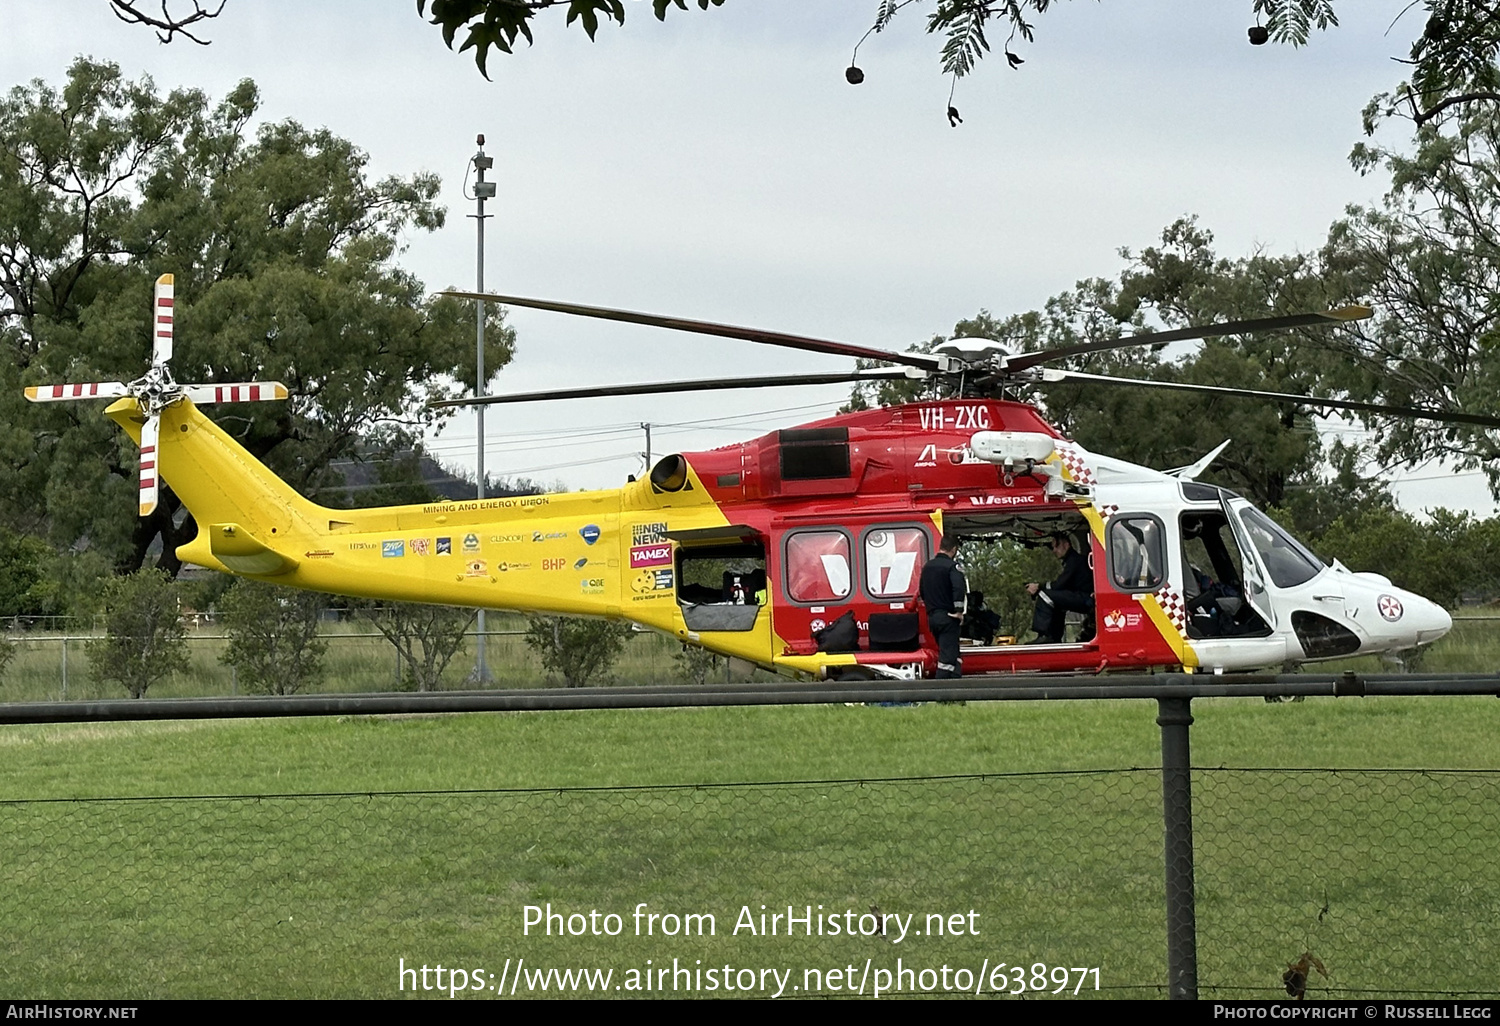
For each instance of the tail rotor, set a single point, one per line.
(155, 390)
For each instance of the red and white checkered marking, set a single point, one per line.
(1171, 603)
(1390, 607)
(1074, 466)
(1106, 511)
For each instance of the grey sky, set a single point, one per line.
(719, 166)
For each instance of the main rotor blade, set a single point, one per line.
(1151, 338)
(770, 338)
(654, 388)
(1414, 412)
(161, 321)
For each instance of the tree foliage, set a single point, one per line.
(576, 649)
(497, 24)
(284, 252)
(144, 639)
(274, 645)
(426, 637)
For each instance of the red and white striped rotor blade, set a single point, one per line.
(161, 321)
(149, 489)
(90, 390)
(236, 392)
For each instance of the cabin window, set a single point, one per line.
(893, 561)
(720, 587)
(818, 566)
(1137, 552)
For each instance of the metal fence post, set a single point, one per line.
(65, 666)
(1174, 716)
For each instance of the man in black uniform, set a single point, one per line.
(943, 592)
(1072, 591)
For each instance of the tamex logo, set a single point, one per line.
(650, 555)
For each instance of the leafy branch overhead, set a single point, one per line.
(499, 23)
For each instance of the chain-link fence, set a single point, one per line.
(1366, 881)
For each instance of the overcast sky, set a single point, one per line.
(718, 166)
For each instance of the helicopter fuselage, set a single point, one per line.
(755, 550)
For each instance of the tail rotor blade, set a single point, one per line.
(161, 325)
(149, 477)
(236, 392)
(89, 390)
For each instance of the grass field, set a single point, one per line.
(1391, 879)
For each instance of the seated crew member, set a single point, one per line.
(1072, 591)
(943, 591)
(980, 624)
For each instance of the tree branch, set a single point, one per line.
(166, 26)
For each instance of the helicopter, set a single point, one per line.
(756, 550)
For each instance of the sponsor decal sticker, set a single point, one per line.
(650, 582)
(445, 546)
(651, 555)
(583, 561)
(506, 539)
(541, 536)
(648, 534)
(513, 565)
(419, 546)
(362, 546)
(592, 585)
(1001, 500)
(1119, 620)
(471, 542)
(589, 533)
(554, 564)
(476, 568)
(392, 549)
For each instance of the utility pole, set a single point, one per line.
(647, 454)
(482, 191)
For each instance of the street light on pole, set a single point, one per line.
(482, 191)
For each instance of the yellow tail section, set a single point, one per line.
(575, 553)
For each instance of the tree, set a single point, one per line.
(274, 644)
(697, 664)
(426, 637)
(578, 650)
(1428, 260)
(284, 252)
(144, 641)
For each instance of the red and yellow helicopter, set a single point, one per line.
(751, 550)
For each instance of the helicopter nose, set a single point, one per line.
(1426, 620)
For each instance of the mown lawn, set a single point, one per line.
(1391, 879)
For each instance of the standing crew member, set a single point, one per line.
(943, 593)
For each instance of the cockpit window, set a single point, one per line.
(1287, 562)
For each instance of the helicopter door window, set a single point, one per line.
(1286, 561)
(893, 559)
(818, 566)
(1137, 552)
